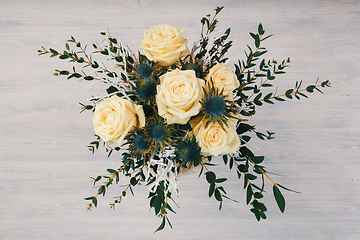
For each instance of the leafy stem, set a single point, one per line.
(269, 77)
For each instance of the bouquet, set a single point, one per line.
(168, 109)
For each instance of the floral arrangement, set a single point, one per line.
(168, 109)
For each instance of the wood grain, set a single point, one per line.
(45, 165)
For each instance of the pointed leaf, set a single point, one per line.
(280, 200)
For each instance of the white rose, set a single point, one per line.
(223, 78)
(178, 95)
(115, 117)
(164, 44)
(214, 140)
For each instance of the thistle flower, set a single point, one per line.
(139, 142)
(159, 133)
(189, 64)
(145, 88)
(215, 107)
(146, 75)
(145, 70)
(188, 151)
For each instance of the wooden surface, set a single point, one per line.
(45, 166)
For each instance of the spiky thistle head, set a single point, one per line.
(215, 107)
(145, 70)
(146, 74)
(139, 143)
(188, 151)
(159, 133)
(145, 89)
(191, 64)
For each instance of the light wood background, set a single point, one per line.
(45, 165)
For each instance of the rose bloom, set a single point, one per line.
(223, 78)
(164, 44)
(214, 140)
(115, 117)
(178, 95)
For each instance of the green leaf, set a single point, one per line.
(256, 212)
(64, 72)
(169, 221)
(266, 37)
(94, 201)
(211, 189)
(133, 181)
(280, 200)
(260, 29)
(301, 94)
(64, 56)
(258, 195)
(249, 194)
(170, 208)
(258, 103)
(257, 41)
(95, 65)
(218, 195)
(242, 168)
(253, 35)
(288, 93)
(257, 98)
(268, 73)
(53, 51)
(310, 88)
(111, 90)
(257, 159)
(251, 176)
(118, 58)
(287, 188)
(162, 225)
(225, 158)
(262, 207)
(220, 180)
(88, 78)
(279, 99)
(210, 177)
(262, 64)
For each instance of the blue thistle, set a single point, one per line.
(140, 142)
(215, 108)
(188, 151)
(157, 132)
(196, 68)
(145, 89)
(145, 70)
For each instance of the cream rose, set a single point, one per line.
(178, 95)
(115, 117)
(223, 78)
(164, 44)
(214, 140)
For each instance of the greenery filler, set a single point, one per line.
(168, 108)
